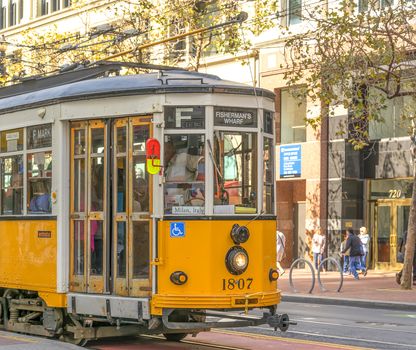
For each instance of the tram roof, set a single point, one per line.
(151, 83)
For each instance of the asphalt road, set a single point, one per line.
(369, 328)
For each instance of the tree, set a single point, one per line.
(129, 25)
(359, 58)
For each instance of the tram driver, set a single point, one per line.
(185, 170)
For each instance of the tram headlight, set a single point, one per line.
(239, 234)
(236, 260)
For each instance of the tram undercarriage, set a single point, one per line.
(25, 312)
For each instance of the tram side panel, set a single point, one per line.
(200, 252)
(28, 255)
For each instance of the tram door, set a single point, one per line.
(88, 207)
(131, 207)
(110, 201)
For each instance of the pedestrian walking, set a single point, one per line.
(400, 259)
(345, 256)
(356, 251)
(318, 248)
(365, 241)
(280, 251)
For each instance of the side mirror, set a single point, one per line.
(153, 156)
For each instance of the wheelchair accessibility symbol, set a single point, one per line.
(177, 229)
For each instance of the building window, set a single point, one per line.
(13, 14)
(66, 3)
(294, 8)
(390, 123)
(44, 7)
(293, 118)
(3, 14)
(56, 5)
(36, 151)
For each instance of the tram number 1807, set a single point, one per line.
(240, 283)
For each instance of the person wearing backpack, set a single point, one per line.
(356, 251)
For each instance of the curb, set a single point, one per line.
(364, 303)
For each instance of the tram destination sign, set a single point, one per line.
(184, 117)
(243, 117)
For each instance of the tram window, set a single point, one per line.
(140, 185)
(97, 140)
(184, 163)
(97, 184)
(12, 185)
(12, 140)
(96, 247)
(140, 249)
(39, 182)
(78, 247)
(79, 142)
(121, 249)
(268, 188)
(79, 185)
(235, 187)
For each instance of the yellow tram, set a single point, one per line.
(93, 245)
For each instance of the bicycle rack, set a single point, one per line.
(338, 265)
(321, 285)
(295, 263)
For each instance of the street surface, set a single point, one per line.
(319, 327)
(362, 327)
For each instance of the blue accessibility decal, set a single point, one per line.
(177, 229)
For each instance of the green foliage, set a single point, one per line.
(134, 23)
(358, 60)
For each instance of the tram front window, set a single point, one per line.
(235, 187)
(185, 174)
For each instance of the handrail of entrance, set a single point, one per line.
(338, 265)
(295, 264)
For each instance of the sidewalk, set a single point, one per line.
(376, 290)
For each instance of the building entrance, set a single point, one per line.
(390, 218)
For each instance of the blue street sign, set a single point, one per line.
(290, 161)
(177, 229)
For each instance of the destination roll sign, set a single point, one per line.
(227, 116)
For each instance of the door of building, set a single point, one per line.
(390, 223)
(110, 225)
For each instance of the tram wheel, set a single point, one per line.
(69, 338)
(174, 336)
